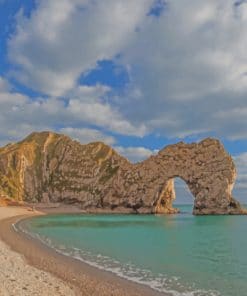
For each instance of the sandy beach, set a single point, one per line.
(28, 267)
(17, 277)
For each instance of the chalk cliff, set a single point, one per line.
(49, 167)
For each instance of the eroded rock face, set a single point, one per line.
(53, 168)
(206, 168)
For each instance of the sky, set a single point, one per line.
(138, 75)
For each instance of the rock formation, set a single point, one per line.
(48, 167)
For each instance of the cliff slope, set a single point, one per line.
(49, 167)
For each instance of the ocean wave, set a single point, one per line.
(160, 282)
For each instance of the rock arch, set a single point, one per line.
(167, 196)
(206, 168)
(49, 167)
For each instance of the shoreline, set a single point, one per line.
(80, 276)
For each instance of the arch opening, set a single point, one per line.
(173, 196)
(184, 200)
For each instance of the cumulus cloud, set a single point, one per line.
(4, 85)
(64, 38)
(83, 108)
(135, 154)
(189, 72)
(240, 189)
(187, 77)
(88, 105)
(87, 135)
(241, 164)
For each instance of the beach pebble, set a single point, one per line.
(17, 278)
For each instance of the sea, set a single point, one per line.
(181, 254)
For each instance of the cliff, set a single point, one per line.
(49, 167)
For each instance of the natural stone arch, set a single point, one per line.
(52, 168)
(206, 168)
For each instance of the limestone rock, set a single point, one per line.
(49, 167)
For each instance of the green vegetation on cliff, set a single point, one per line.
(49, 164)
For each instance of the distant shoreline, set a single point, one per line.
(85, 279)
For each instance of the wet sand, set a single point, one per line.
(29, 267)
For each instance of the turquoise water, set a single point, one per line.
(181, 254)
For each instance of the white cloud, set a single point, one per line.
(87, 135)
(183, 194)
(187, 77)
(186, 71)
(241, 164)
(64, 38)
(88, 105)
(85, 107)
(135, 154)
(240, 189)
(4, 85)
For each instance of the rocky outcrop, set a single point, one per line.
(50, 167)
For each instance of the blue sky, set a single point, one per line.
(126, 72)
